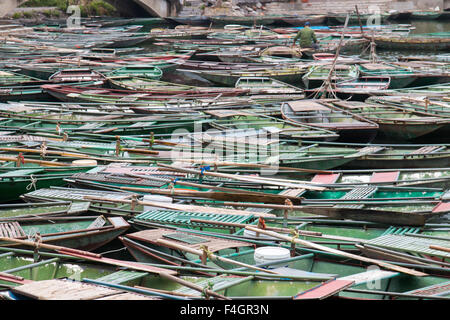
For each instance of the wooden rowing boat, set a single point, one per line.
(323, 114)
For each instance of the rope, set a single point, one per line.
(261, 223)
(32, 183)
(207, 251)
(43, 149)
(20, 159)
(207, 287)
(295, 235)
(288, 202)
(202, 172)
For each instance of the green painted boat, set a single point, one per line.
(323, 114)
(8, 78)
(24, 211)
(426, 15)
(438, 90)
(413, 42)
(304, 272)
(264, 85)
(284, 129)
(18, 267)
(85, 233)
(400, 77)
(431, 105)
(395, 122)
(317, 75)
(290, 75)
(138, 70)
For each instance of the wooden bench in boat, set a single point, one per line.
(426, 150)
(322, 178)
(325, 290)
(391, 176)
(439, 289)
(122, 276)
(357, 194)
(190, 240)
(58, 289)
(412, 243)
(11, 230)
(184, 218)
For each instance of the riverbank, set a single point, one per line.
(45, 9)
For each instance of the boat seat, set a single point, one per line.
(122, 276)
(324, 290)
(11, 230)
(91, 125)
(441, 207)
(19, 173)
(391, 176)
(326, 178)
(426, 149)
(357, 194)
(411, 243)
(439, 289)
(369, 150)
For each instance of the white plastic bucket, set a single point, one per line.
(271, 254)
(155, 198)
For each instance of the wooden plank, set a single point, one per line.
(439, 289)
(325, 290)
(56, 289)
(391, 176)
(306, 105)
(411, 244)
(326, 178)
(441, 207)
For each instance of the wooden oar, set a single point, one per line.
(338, 252)
(212, 256)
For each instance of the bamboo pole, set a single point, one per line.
(284, 230)
(193, 286)
(183, 207)
(212, 256)
(435, 247)
(40, 162)
(338, 252)
(270, 181)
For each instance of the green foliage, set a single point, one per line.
(28, 14)
(97, 8)
(61, 4)
(92, 8)
(17, 15)
(52, 13)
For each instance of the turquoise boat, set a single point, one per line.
(138, 70)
